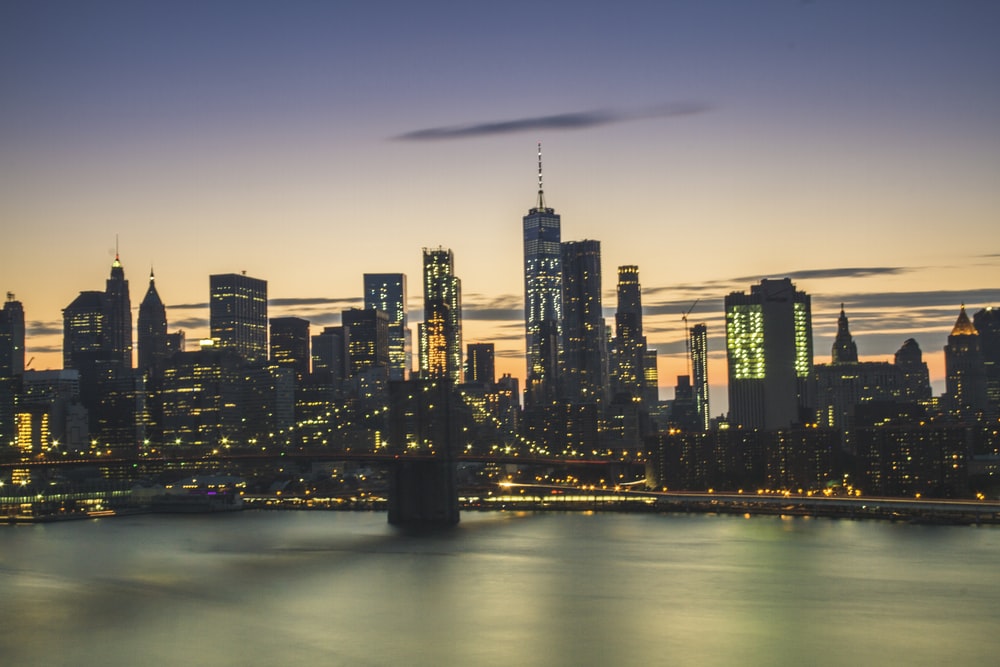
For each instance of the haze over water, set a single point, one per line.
(337, 588)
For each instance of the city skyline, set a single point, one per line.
(852, 148)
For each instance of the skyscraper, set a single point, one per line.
(238, 315)
(11, 365)
(769, 353)
(441, 333)
(290, 344)
(987, 323)
(367, 334)
(965, 372)
(85, 330)
(916, 378)
(699, 371)
(480, 367)
(387, 292)
(629, 342)
(585, 359)
(119, 317)
(152, 330)
(543, 307)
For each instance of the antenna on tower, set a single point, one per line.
(541, 195)
(687, 335)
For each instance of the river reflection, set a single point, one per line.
(339, 588)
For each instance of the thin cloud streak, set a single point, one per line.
(565, 121)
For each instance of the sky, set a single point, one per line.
(853, 146)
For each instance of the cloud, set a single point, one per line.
(315, 301)
(39, 328)
(506, 307)
(565, 121)
(188, 323)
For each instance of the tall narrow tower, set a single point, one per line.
(152, 330)
(699, 371)
(965, 372)
(441, 337)
(630, 344)
(119, 316)
(585, 355)
(543, 306)
(387, 292)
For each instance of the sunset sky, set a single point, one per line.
(853, 146)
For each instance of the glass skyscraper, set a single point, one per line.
(543, 307)
(441, 331)
(387, 292)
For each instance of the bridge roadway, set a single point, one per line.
(915, 509)
(198, 456)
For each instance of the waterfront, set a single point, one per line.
(343, 588)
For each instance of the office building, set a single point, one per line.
(329, 356)
(769, 353)
(543, 293)
(387, 292)
(585, 360)
(290, 344)
(238, 315)
(367, 339)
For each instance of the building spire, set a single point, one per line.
(541, 193)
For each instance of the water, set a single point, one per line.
(339, 588)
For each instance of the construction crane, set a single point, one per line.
(687, 336)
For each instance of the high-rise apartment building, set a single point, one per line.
(585, 360)
(387, 292)
(290, 344)
(152, 331)
(441, 332)
(699, 372)
(543, 307)
(85, 330)
(238, 315)
(769, 352)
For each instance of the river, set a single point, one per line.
(344, 588)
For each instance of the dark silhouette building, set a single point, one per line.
(916, 377)
(119, 315)
(11, 366)
(290, 344)
(480, 367)
(585, 359)
(367, 335)
(152, 331)
(987, 324)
